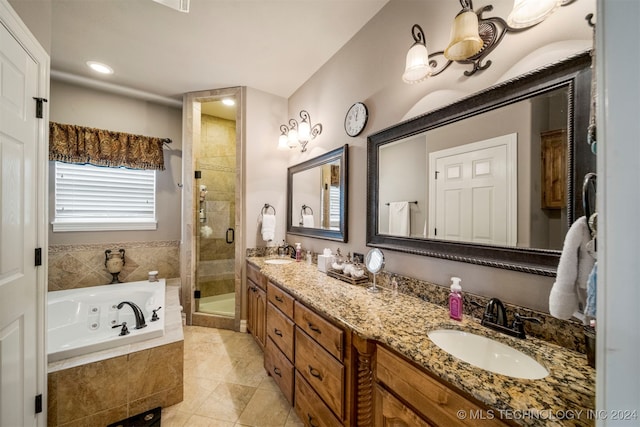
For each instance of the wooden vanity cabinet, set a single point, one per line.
(323, 370)
(428, 399)
(256, 304)
(279, 352)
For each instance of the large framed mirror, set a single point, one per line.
(317, 196)
(494, 179)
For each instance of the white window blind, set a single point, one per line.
(334, 206)
(96, 198)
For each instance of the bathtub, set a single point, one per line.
(80, 321)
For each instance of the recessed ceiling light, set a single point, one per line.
(100, 67)
(228, 101)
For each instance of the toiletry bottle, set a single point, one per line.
(309, 257)
(298, 252)
(455, 299)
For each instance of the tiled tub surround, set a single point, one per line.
(79, 266)
(111, 385)
(401, 322)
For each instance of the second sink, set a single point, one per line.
(488, 354)
(278, 261)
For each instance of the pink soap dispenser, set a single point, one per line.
(455, 299)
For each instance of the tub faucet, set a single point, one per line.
(137, 312)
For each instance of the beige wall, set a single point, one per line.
(369, 69)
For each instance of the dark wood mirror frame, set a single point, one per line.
(573, 73)
(341, 154)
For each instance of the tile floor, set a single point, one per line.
(225, 384)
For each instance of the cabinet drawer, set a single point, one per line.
(281, 330)
(280, 299)
(279, 367)
(310, 408)
(390, 411)
(323, 372)
(253, 274)
(435, 401)
(329, 336)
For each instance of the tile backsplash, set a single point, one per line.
(79, 266)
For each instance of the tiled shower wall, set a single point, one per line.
(79, 266)
(217, 162)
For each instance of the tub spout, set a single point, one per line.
(140, 323)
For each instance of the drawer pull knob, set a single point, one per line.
(277, 331)
(277, 372)
(314, 372)
(312, 421)
(314, 328)
(279, 298)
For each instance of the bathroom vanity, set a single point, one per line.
(346, 357)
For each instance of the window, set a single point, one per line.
(92, 198)
(334, 206)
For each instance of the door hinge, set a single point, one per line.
(196, 294)
(436, 173)
(39, 102)
(38, 257)
(435, 231)
(38, 403)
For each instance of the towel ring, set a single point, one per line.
(265, 209)
(304, 210)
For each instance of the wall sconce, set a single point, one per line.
(298, 133)
(473, 37)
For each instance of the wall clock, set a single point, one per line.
(356, 119)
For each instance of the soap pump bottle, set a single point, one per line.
(455, 299)
(298, 252)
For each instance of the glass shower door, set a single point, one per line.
(215, 269)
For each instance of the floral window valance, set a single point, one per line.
(79, 144)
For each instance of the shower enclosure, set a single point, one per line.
(212, 246)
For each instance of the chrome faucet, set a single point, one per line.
(495, 317)
(137, 312)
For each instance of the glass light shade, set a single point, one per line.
(304, 131)
(527, 13)
(283, 142)
(465, 39)
(292, 136)
(417, 66)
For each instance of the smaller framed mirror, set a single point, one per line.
(317, 196)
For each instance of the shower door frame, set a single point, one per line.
(191, 113)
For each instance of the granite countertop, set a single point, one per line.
(401, 322)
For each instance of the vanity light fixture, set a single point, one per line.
(473, 37)
(298, 134)
(100, 67)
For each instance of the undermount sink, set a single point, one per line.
(488, 354)
(278, 261)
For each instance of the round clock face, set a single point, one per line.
(356, 119)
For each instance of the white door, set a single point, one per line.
(473, 198)
(21, 309)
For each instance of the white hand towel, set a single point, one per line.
(268, 227)
(399, 218)
(570, 287)
(307, 220)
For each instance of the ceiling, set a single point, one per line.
(270, 45)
